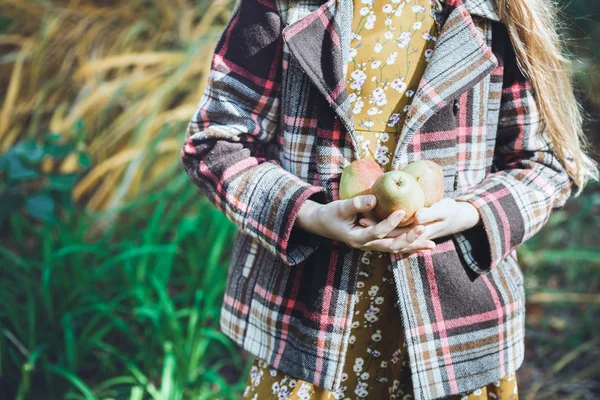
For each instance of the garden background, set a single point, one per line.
(112, 265)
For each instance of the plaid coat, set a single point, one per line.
(274, 128)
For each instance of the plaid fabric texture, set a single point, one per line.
(274, 128)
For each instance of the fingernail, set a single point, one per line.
(370, 200)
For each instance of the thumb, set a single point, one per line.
(359, 204)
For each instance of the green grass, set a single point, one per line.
(129, 311)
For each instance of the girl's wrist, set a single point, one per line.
(469, 213)
(307, 216)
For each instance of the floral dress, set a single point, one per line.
(391, 45)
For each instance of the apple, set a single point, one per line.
(430, 177)
(397, 190)
(358, 177)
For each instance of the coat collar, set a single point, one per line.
(318, 34)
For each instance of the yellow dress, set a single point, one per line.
(391, 44)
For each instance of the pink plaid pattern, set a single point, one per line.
(274, 127)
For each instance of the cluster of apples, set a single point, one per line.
(419, 184)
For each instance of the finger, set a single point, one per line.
(414, 233)
(434, 230)
(366, 222)
(383, 228)
(379, 230)
(385, 245)
(438, 210)
(358, 204)
(419, 245)
(404, 241)
(405, 237)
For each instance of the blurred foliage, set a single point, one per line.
(112, 265)
(129, 310)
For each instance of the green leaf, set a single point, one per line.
(41, 206)
(17, 170)
(85, 160)
(63, 183)
(5, 24)
(30, 151)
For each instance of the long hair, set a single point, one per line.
(532, 26)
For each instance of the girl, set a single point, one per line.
(333, 303)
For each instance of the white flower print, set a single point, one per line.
(478, 392)
(372, 111)
(399, 85)
(273, 372)
(399, 10)
(377, 49)
(364, 376)
(378, 97)
(376, 64)
(275, 388)
(388, 35)
(351, 98)
(368, 124)
(352, 53)
(417, 25)
(391, 58)
(374, 289)
(361, 389)
(418, 9)
(358, 107)
(387, 8)
(410, 93)
(360, 284)
(357, 368)
(379, 300)
(376, 336)
(364, 11)
(255, 397)
(383, 364)
(284, 393)
(370, 24)
(358, 74)
(404, 39)
(428, 53)
(393, 120)
(384, 137)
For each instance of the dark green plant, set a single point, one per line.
(26, 184)
(127, 311)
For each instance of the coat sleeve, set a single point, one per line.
(237, 118)
(527, 184)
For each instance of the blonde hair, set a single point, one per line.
(532, 26)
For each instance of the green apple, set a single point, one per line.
(430, 177)
(397, 190)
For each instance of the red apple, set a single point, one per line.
(358, 177)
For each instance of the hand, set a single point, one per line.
(443, 218)
(336, 220)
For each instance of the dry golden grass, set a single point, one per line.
(122, 76)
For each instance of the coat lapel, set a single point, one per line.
(460, 59)
(318, 34)
(319, 38)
